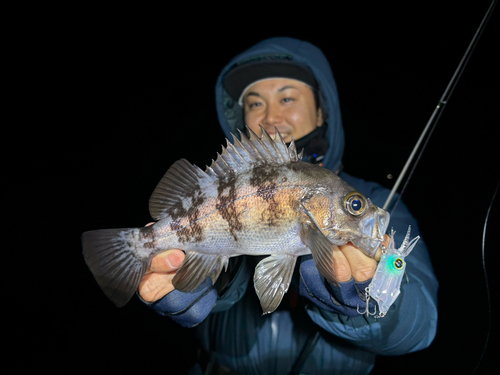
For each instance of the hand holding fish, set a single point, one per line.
(351, 262)
(157, 282)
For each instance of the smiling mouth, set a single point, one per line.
(275, 137)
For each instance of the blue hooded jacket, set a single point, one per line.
(230, 113)
(230, 325)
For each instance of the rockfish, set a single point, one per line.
(257, 198)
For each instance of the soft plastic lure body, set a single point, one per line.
(385, 285)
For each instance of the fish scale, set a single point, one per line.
(256, 198)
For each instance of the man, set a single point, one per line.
(287, 84)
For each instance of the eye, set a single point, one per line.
(399, 263)
(254, 105)
(355, 203)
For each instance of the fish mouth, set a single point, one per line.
(373, 227)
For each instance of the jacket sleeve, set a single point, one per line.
(410, 323)
(190, 309)
(186, 309)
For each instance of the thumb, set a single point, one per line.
(167, 262)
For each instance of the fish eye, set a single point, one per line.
(355, 203)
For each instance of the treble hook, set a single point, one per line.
(367, 309)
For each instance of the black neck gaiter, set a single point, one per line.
(314, 144)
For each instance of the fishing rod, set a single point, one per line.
(431, 124)
(436, 114)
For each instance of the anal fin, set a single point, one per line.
(271, 280)
(196, 268)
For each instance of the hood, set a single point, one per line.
(230, 113)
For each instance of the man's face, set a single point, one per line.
(283, 103)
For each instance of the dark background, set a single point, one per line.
(114, 99)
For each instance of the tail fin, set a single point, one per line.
(117, 260)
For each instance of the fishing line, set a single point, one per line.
(431, 124)
(486, 280)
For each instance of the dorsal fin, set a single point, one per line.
(183, 180)
(242, 155)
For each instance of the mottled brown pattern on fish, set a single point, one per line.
(283, 209)
(226, 203)
(190, 233)
(310, 171)
(265, 174)
(264, 178)
(193, 231)
(177, 210)
(273, 211)
(267, 192)
(175, 225)
(148, 235)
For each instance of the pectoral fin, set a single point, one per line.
(321, 249)
(271, 280)
(196, 268)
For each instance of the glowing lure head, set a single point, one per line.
(385, 285)
(394, 263)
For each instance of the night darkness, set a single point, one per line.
(129, 98)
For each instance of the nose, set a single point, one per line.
(273, 115)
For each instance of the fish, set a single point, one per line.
(257, 198)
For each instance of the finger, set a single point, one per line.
(362, 267)
(155, 286)
(342, 267)
(384, 243)
(166, 262)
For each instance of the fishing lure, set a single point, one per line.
(385, 285)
